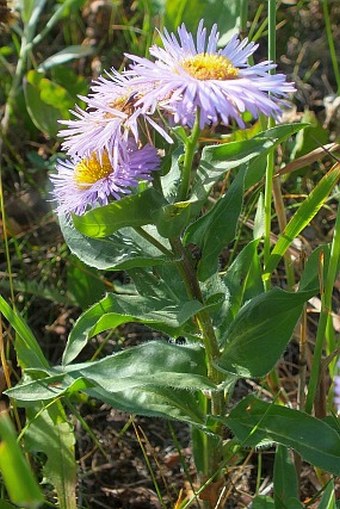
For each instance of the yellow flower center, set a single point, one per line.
(89, 170)
(210, 67)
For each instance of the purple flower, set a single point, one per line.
(109, 121)
(190, 75)
(93, 181)
(337, 391)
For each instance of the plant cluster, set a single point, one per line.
(137, 191)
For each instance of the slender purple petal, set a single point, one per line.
(81, 183)
(190, 74)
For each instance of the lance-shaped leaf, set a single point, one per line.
(155, 363)
(19, 480)
(113, 310)
(148, 399)
(65, 55)
(213, 231)
(260, 331)
(243, 279)
(50, 433)
(243, 276)
(123, 250)
(63, 472)
(253, 420)
(154, 401)
(27, 348)
(44, 116)
(126, 376)
(136, 210)
(217, 159)
(286, 490)
(328, 498)
(302, 217)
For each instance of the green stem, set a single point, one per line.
(243, 16)
(212, 452)
(190, 150)
(331, 44)
(271, 156)
(255, 21)
(34, 40)
(143, 233)
(325, 314)
(203, 318)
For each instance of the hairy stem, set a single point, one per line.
(212, 451)
(203, 318)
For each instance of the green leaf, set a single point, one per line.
(263, 502)
(217, 159)
(28, 350)
(161, 285)
(135, 210)
(261, 330)
(46, 102)
(31, 11)
(259, 220)
(328, 497)
(310, 138)
(84, 283)
(20, 483)
(285, 479)
(7, 505)
(39, 289)
(156, 363)
(156, 367)
(171, 180)
(50, 433)
(333, 422)
(65, 55)
(312, 270)
(114, 310)
(225, 11)
(151, 401)
(75, 84)
(43, 116)
(171, 219)
(213, 231)
(302, 217)
(243, 277)
(51, 93)
(121, 251)
(253, 420)
(217, 296)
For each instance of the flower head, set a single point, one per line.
(92, 181)
(189, 75)
(109, 120)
